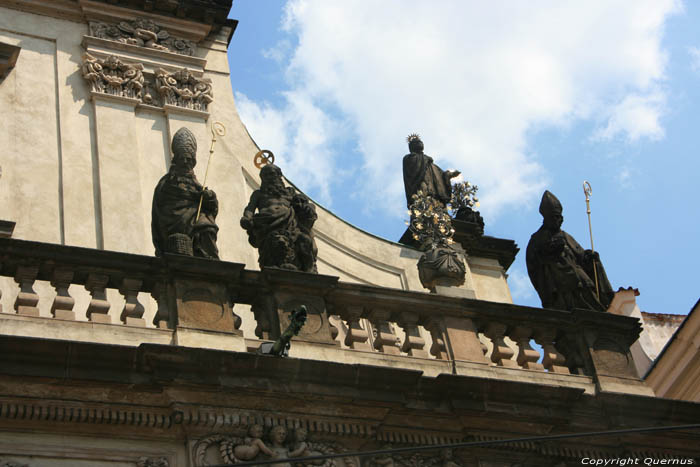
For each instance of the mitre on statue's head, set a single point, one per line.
(549, 204)
(184, 142)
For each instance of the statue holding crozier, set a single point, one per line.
(562, 272)
(183, 216)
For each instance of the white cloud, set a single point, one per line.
(694, 53)
(300, 136)
(471, 77)
(637, 116)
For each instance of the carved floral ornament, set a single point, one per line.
(183, 89)
(252, 444)
(142, 32)
(117, 78)
(278, 443)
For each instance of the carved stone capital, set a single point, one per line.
(183, 89)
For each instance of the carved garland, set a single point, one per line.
(142, 32)
(117, 78)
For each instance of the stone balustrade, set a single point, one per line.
(179, 295)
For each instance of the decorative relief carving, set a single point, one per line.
(251, 445)
(112, 76)
(152, 462)
(183, 89)
(144, 33)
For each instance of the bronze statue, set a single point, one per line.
(560, 269)
(281, 346)
(174, 223)
(281, 227)
(421, 174)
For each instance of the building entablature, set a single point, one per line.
(204, 398)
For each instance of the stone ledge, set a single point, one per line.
(107, 11)
(81, 331)
(481, 370)
(102, 96)
(174, 109)
(159, 58)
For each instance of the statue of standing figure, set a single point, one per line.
(174, 223)
(421, 174)
(279, 223)
(561, 271)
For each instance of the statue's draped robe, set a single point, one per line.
(282, 233)
(563, 276)
(420, 173)
(175, 203)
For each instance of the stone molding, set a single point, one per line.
(179, 92)
(142, 32)
(150, 57)
(189, 19)
(54, 411)
(152, 462)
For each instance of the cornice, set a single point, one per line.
(101, 11)
(63, 9)
(203, 16)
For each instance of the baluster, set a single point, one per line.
(132, 314)
(413, 343)
(553, 360)
(162, 317)
(62, 307)
(357, 337)
(27, 299)
(98, 310)
(436, 328)
(501, 354)
(527, 356)
(385, 340)
(262, 309)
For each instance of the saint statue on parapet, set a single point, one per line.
(421, 174)
(176, 225)
(279, 223)
(562, 272)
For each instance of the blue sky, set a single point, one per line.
(520, 96)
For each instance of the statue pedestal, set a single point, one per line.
(287, 291)
(456, 292)
(203, 305)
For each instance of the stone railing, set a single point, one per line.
(182, 295)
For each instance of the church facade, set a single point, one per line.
(112, 356)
